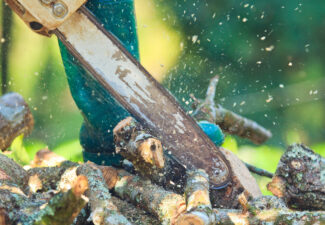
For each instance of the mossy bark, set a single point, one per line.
(199, 209)
(300, 179)
(103, 210)
(10, 170)
(165, 205)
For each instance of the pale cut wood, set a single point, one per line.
(242, 182)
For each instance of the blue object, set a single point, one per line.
(213, 131)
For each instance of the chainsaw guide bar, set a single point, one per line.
(108, 62)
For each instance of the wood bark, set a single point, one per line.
(15, 119)
(146, 153)
(300, 179)
(197, 190)
(10, 171)
(65, 206)
(135, 215)
(198, 205)
(59, 208)
(264, 210)
(165, 205)
(103, 210)
(47, 178)
(228, 121)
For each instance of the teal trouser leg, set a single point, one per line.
(100, 110)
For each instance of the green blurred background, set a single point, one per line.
(269, 54)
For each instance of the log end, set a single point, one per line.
(120, 129)
(80, 185)
(110, 176)
(151, 152)
(47, 158)
(277, 186)
(190, 219)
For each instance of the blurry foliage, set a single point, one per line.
(269, 55)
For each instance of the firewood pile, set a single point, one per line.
(152, 187)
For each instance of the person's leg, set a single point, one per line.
(100, 110)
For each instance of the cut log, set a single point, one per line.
(15, 119)
(141, 148)
(270, 217)
(10, 170)
(197, 190)
(64, 207)
(300, 179)
(264, 210)
(165, 205)
(242, 182)
(146, 153)
(172, 175)
(198, 205)
(47, 158)
(228, 121)
(135, 215)
(103, 210)
(47, 178)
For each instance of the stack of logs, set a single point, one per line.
(155, 189)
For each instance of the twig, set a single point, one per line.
(259, 171)
(165, 205)
(199, 209)
(63, 208)
(229, 121)
(103, 210)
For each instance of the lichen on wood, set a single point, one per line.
(103, 210)
(10, 169)
(165, 205)
(197, 190)
(300, 179)
(61, 208)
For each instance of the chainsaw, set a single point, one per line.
(107, 61)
